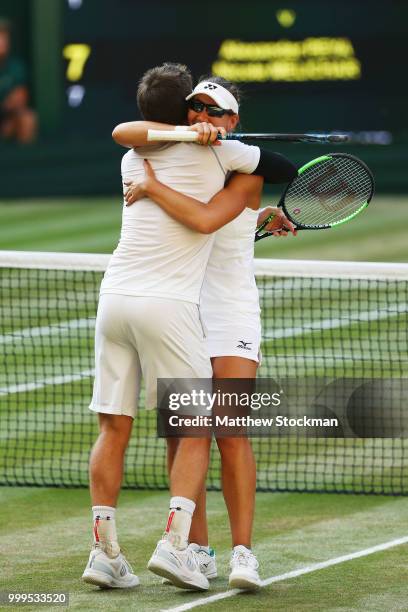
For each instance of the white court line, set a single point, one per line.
(294, 574)
(46, 330)
(40, 384)
(66, 326)
(322, 324)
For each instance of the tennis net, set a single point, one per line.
(331, 319)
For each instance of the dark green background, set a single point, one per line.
(75, 154)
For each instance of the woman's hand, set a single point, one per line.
(137, 191)
(279, 225)
(208, 133)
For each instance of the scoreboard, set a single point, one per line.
(302, 66)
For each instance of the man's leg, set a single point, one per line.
(198, 539)
(187, 480)
(173, 559)
(179, 352)
(199, 526)
(107, 567)
(107, 458)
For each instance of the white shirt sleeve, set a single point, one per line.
(236, 156)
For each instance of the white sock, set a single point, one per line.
(179, 521)
(104, 530)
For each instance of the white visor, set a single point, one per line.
(218, 93)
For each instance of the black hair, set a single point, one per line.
(162, 92)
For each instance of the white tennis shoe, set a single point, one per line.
(108, 573)
(206, 560)
(181, 567)
(244, 569)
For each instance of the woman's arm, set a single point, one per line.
(242, 190)
(275, 168)
(134, 133)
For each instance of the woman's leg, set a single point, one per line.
(238, 468)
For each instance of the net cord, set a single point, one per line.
(270, 268)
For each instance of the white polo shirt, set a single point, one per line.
(157, 256)
(229, 284)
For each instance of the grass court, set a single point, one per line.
(46, 532)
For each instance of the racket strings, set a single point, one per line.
(329, 191)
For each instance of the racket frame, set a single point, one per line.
(303, 226)
(190, 136)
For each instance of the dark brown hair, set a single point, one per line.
(162, 91)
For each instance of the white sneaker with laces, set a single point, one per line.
(208, 565)
(181, 567)
(105, 572)
(206, 560)
(244, 569)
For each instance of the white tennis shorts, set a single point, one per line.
(144, 336)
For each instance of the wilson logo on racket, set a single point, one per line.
(330, 189)
(327, 192)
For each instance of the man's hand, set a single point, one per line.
(208, 133)
(279, 225)
(137, 191)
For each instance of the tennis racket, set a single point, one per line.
(326, 192)
(189, 136)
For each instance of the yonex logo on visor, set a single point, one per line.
(221, 96)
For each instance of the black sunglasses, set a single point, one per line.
(212, 109)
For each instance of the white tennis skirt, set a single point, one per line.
(234, 341)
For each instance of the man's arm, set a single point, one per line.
(242, 190)
(273, 167)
